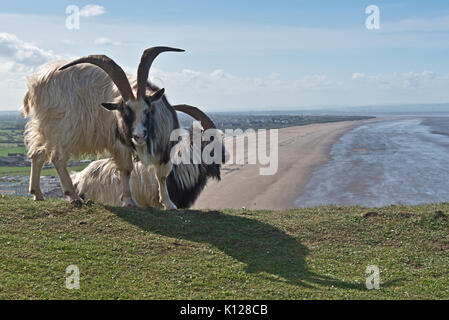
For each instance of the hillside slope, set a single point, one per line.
(319, 253)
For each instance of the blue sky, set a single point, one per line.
(245, 55)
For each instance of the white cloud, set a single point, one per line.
(415, 79)
(219, 74)
(92, 10)
(358, 76)
(315, 81)
(106, 42)
(17, 59)
(397, 80)
(18, 54)
(219, 88)
(7, 66)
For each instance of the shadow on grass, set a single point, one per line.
(262, 247)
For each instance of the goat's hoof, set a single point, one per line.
(37, 196)
(77, 202)
(130, 203)
(170, 206)
(89, 203)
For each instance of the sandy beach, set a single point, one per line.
(301, 149)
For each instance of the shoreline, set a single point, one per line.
(301, 150)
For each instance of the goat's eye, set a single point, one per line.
(127, 112)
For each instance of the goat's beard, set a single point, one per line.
(143, 144)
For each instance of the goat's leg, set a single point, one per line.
(60, 163)
(162, 172)
(127, 199)
(124, 161)
(37, 162)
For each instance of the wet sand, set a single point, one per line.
(301, 149)
(400, 161)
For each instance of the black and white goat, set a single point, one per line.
(67, 120)
(101, 181)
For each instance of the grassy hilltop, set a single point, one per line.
(319, 253)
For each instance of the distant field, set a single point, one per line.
(12, 171)
(5, 150)
(11, 141)
(244, 122)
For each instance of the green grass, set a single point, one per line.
(319, 253)
(13, 171)
(7, 150)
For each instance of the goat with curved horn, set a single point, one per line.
(67, 120)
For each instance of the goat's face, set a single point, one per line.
(135, 116)
(134, 110)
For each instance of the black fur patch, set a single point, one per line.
(185, 198)
(124, 129)
(175, 121)
(182, 198)
(150, 125)
(123, 138)
(128, 117)
(163, 149)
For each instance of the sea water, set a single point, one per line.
(380, 163)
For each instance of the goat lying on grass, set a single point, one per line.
(101, 181)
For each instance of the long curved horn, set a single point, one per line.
(148, 57)
(197, 114)
(112, 69)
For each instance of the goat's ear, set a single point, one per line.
(111, 106)
(157, 95)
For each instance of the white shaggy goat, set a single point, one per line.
(101, 182)
(67, 119)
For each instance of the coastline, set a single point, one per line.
(301, 150)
